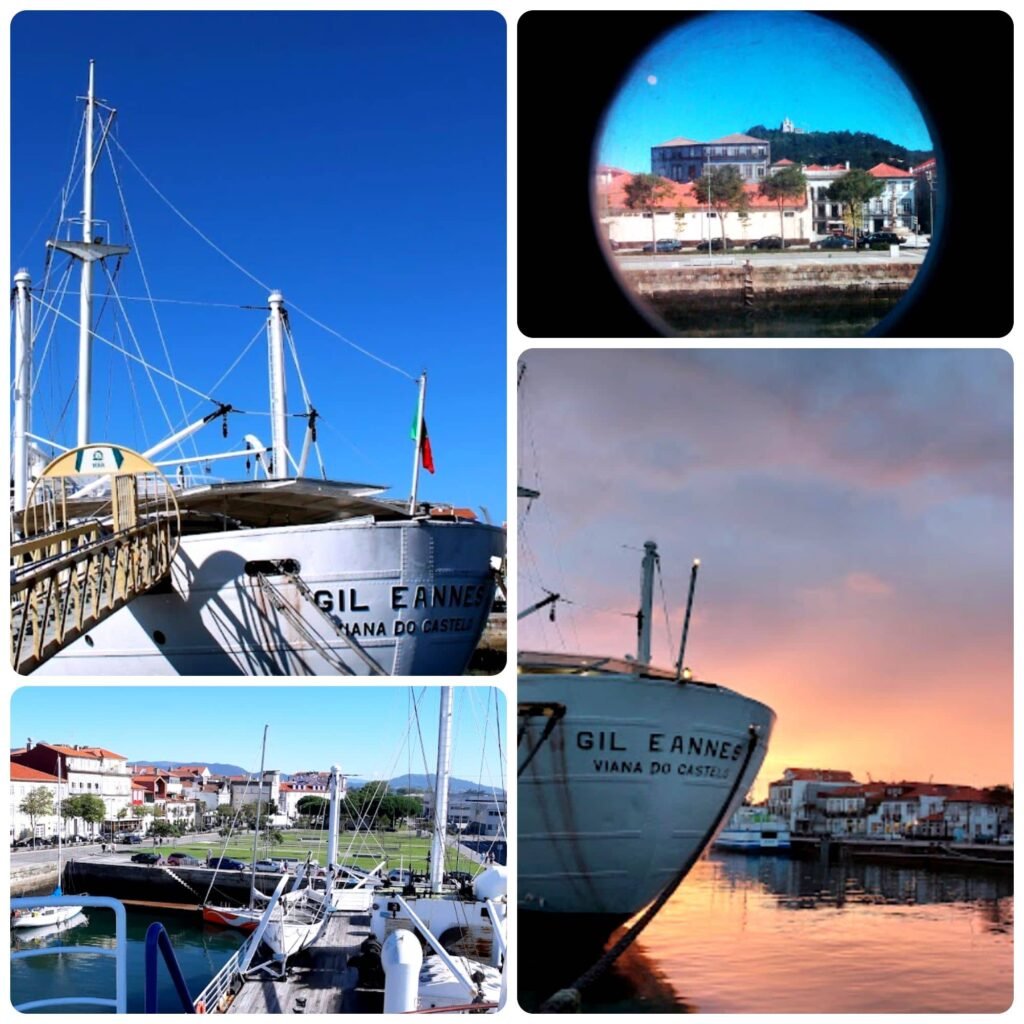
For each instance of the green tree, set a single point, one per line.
(224, 812)
(37, 803)
(853, 190)
(722, 188)
(645, 192)
(163, 828)
(789, 184)
(87, 806)
(680, 215)
(313, 806)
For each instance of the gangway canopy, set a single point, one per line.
(69, 572)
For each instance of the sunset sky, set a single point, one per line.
(852, 511)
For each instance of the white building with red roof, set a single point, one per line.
(25, 780)
(799, 797)
(893, 210)
(679, 215)
(88, 771)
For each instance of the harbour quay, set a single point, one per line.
(928, 853)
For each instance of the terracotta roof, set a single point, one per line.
(22, 773)
(95, 753)
(683, 195)
(733, 139)
(969, 795)
(888, 171)
(830, 167)
(846, 791)
(784, 162)
(606, 169)
(818, 775)
(679, 141)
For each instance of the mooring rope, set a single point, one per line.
(568, 1000)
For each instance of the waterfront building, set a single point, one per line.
(23, 781)
(683, 160)
(476, 812)
(800, 796)
(894, 209)
(926, 193)
(247, 789)
(92, 771)
(827, 215)
(970, 813)
(291, 793)
(679, 215)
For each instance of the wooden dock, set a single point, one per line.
(320, 979)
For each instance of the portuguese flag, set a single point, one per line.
(425, 452)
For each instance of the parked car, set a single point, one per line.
(984, 840)
(666, 245)
(769, 242)
(834, 242)
(131, 840)
(884, 238)
(227, 864)
(183, 860)
(458, 877)
(274, 866)
(21, 844)
(1006, 839)
(146, 858)
(400, 876)
(716, 245)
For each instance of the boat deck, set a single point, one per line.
(320, 979)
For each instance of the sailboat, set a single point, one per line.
(296, 918)
(278, 572)
(626, 773)
(41, 917)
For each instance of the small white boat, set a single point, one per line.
(44, 917)
(754, 829)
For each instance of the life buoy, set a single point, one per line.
(200, 1007)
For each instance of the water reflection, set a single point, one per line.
(936, 942)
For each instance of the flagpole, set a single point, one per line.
(419, 442)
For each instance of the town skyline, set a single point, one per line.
(300, 737)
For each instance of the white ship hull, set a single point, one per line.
(415, 595)
(627, 788)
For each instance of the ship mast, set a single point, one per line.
(444, 761)
(278, 397)
(643, 625)
(22, 384)
(85, 300)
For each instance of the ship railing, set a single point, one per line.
(119, 953)
(216, 997)
(159, 942)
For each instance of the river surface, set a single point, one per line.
(770, 934)
(201, 951)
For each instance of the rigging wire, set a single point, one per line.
(256, 280)
(145, 284)
(113, 345)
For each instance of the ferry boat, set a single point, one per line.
(754, 829)
(626, 772)
(278, 573)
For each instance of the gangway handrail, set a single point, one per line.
(119, 953)
(158, 941)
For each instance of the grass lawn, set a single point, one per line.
(399, 849)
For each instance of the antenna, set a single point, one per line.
(686, 621)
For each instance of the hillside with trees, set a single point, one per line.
(862, 149)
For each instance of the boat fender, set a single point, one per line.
(200, 1007)
(566, 1000)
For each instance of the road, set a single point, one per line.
(48, 854)
(764, 259)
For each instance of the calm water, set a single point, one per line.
(200, 951)
(750, 934)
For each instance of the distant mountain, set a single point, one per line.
(862, 149)
(216, 768)
(427, 781)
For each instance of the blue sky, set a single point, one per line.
(362, 729)
(729, 71)
(354, 161)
